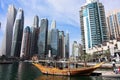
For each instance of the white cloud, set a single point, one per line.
(64, 11)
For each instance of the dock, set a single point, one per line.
(104, 66)
(107, 74)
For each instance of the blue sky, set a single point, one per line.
(65, 12)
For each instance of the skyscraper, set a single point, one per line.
(54, 40)
(42, 38)
(61, 44)
(34, 36)
(17, 34)
(25, 47)
(36, 21)
(11, 15)
(76, 50)
(0, 24)
(93, 24)
(53, 24)
(67, 45)
(48, 42)
(113, 24)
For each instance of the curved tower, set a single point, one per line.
(11, 15)
(36, 21)
(17, 34)
(34, 36)
(25, 47)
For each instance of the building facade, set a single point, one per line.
(34, 36)
(93, 24)
(17, 34)
(113, 24)
(61, 44)
(26, 41)
(67, 45)
(54, 42)
(75, 49)
(42, 38)
(11, 15)
(53, 24)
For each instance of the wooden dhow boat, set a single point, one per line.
(67, 71)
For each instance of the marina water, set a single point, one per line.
(26, 71)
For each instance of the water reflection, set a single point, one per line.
(18, 71)
(52, 77)
(26, 71)
(114, 78)
(5, 72)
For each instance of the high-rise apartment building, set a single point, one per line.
(93, 24)
(113, 24)
(11, 15)
(25, 47)
(42, 38)
(34, 36)
(17, 34)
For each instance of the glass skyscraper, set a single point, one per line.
(17, 34)
(48, 42)
(25, 47)
(11, 15)
(54, 40)
(113, 24)
(34, 36)
(93, 24)
(61, 44)
(42, 38)
(67, 45)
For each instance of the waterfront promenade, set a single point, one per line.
(105, 65)
(107, 73)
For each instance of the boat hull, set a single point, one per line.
(66, 72)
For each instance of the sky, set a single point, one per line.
(65, 12)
